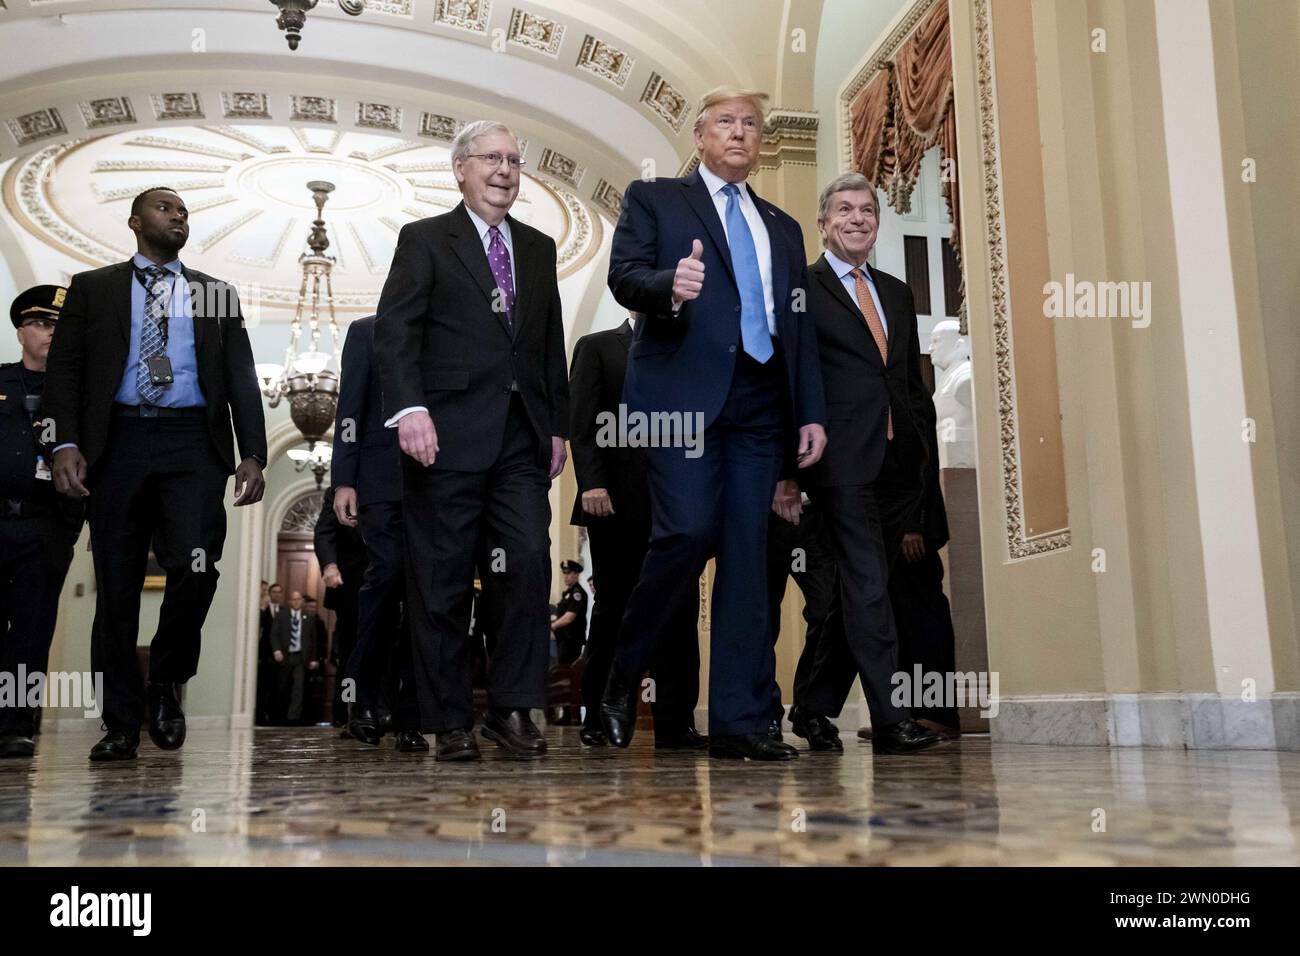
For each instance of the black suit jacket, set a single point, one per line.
(89, 352)
(860, 388)
(440, 344)
(596, 386)
(366, 454)
(281, 629)
(336, 543)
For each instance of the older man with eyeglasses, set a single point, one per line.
(469, 342)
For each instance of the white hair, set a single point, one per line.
(464, 141)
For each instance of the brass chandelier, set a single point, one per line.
(305, 378)
(293, 16)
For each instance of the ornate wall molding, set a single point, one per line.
(1018, 545)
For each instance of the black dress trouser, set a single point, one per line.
(160, 483)
(444, 513)
(618, 548)
(35, 552)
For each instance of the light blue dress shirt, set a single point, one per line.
(184, 391)
(842, 269)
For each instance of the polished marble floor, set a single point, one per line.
(303, 796)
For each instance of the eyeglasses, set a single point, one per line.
(40, 323)
(495, 159)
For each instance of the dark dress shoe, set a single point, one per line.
(753, 746)
(686, 739)
(514, 732)
(457, 745)
(409, 742)
(904, 737)
(166, 719)
(820, 733)
(385, 721)
(15, 743)
(363, 725)
(116, 745)
(774, 729)
(618, 710)
(593, 737)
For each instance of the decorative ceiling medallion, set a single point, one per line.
(536, 33)
(379, 116)
(313, 109)
(130, 192)
(31, 127)
(665, 101)
(469, 15)
(108, 111)
(561, 167)
(438, 127)
(248, 139)
(245, 106)
(173, 106)
(608, 198)
(607, 62)
(187, 146)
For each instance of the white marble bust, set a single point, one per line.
(950, 354)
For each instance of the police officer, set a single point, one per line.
(38, 526)
(569, 629)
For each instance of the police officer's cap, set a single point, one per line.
(570, 567)
(38, 302)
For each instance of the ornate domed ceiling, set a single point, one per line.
(250, 209)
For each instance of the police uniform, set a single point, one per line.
(38, 528)
(570, 638)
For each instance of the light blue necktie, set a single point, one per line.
(744, 259)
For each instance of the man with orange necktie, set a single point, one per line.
(871, 372)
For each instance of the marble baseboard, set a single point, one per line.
(1190, 721)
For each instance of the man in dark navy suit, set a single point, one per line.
(367, 473)
(875, 405)
(719, 275)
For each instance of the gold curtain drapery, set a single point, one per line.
(906, 108)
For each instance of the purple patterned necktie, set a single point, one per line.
(499, 260)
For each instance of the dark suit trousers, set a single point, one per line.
(292, 678)
(618, 549)
(444, 513)
(35, 553)
(159, 480)
(383, 632)
(716, 504)
(346, 604)
(801, 552)
(870, 646)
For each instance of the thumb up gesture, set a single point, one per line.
(689, 278)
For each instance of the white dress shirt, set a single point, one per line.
(482, 228)
(842, 269)
(757, 229)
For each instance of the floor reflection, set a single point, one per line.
(302, 796)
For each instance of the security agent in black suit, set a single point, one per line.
(149, 370)
(367, 474)
(470, 343)
(915, 530)
(613, 504)
(38, 526)
(874, 397)
(341, 554)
